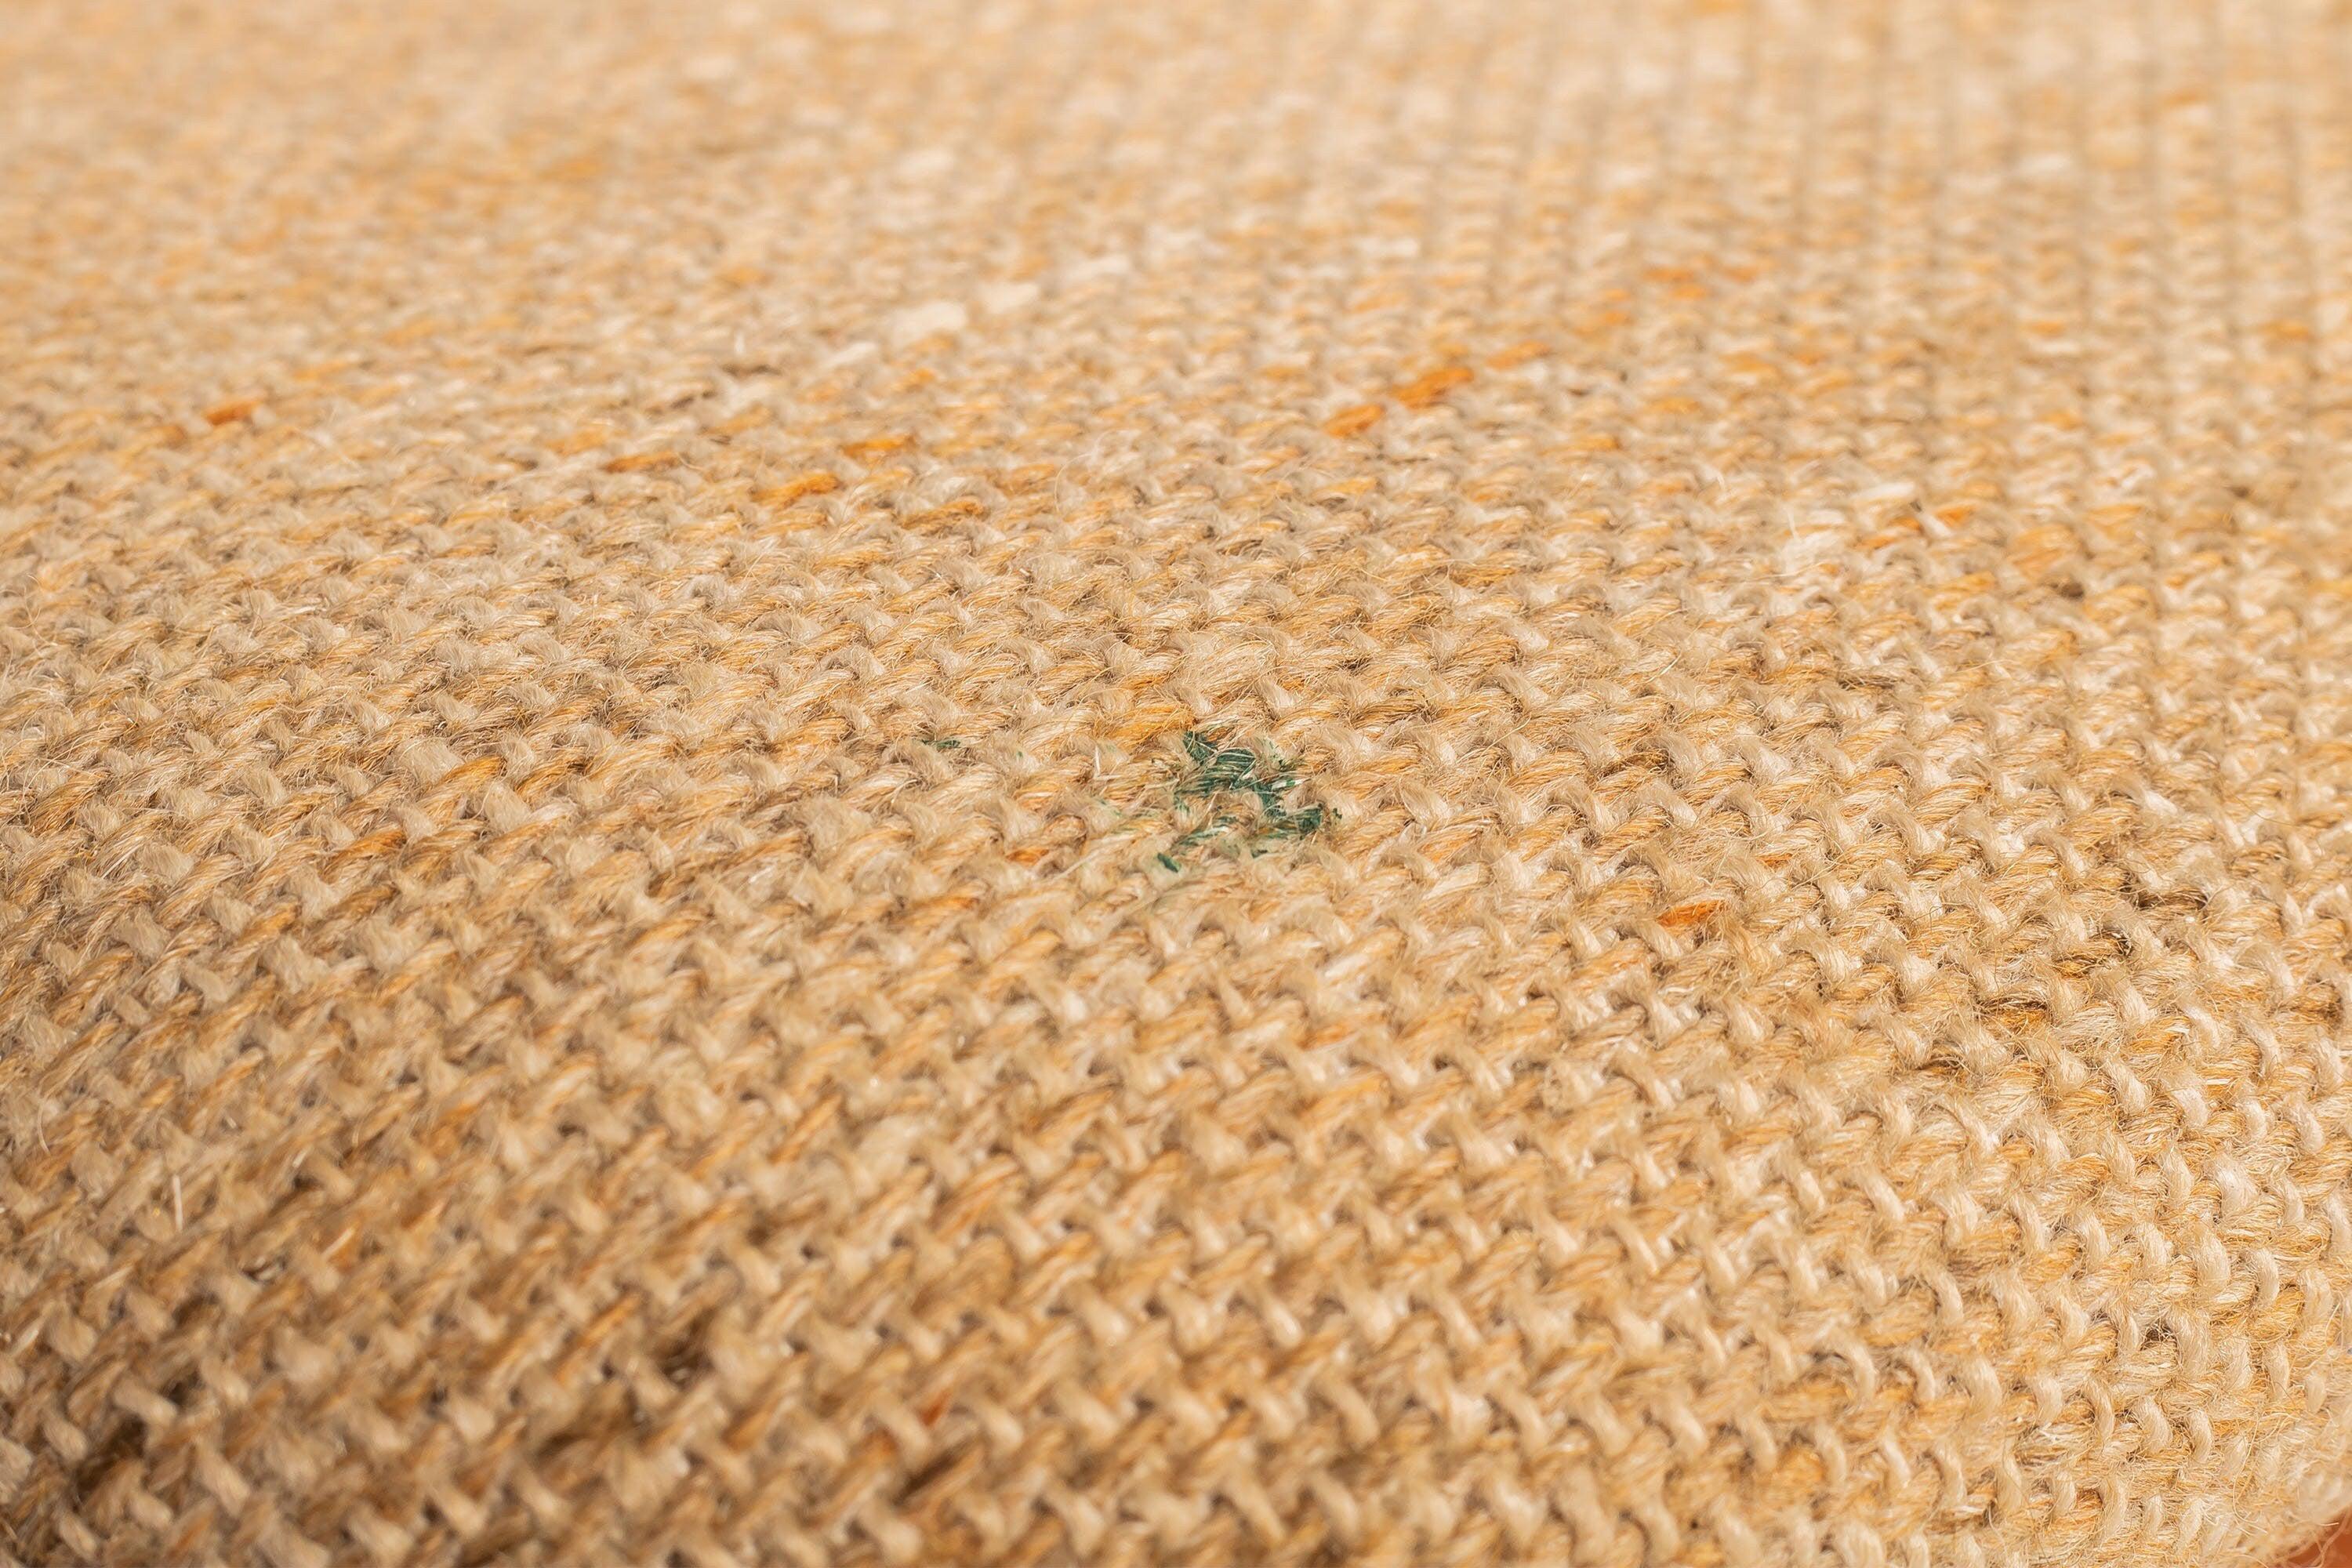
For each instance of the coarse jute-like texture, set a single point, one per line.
(1400, 783)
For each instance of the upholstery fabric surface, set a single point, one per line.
(1183, 781)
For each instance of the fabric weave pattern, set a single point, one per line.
(1403, 783)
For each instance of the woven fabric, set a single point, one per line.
(1424, 781)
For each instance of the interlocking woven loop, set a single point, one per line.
(1175, 782)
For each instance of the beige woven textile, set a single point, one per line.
(1171, 782)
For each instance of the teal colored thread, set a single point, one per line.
(1221, 772)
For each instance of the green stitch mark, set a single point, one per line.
(1226, 776)
(943, 743)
